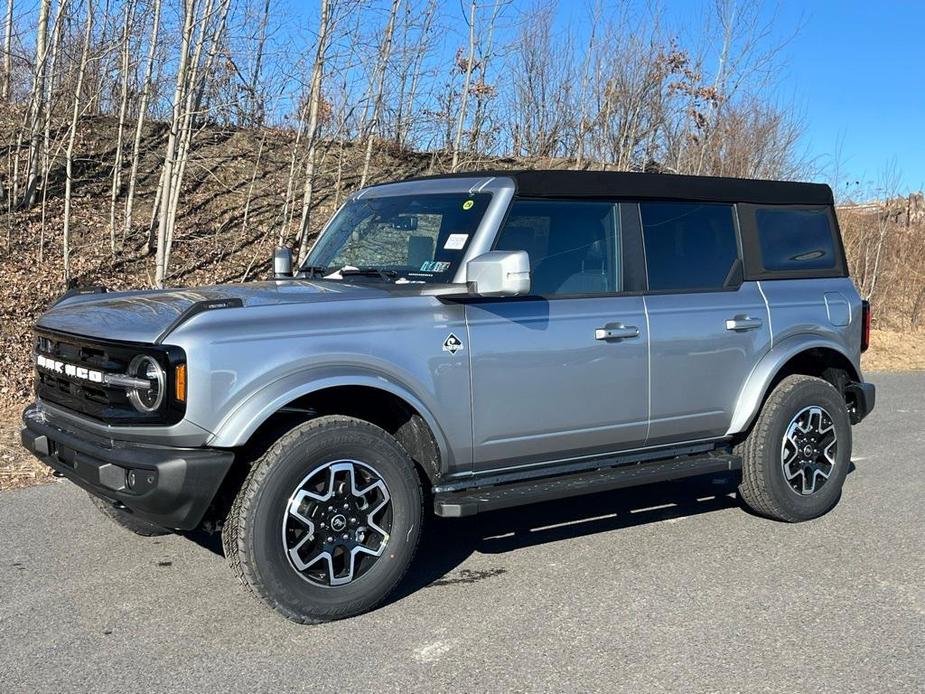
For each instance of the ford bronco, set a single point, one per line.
(457, 344)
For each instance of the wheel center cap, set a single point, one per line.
(338, 523)
(807, 451)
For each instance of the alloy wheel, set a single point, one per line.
(808, 450)
(336, 523)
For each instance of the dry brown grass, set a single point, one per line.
(17, 467)
(895, 351)
(889, 351)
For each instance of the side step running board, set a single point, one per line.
(468, 502)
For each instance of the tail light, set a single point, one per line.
(865, 325)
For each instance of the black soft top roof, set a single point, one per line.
(609, 184)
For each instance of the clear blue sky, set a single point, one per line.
(858, 71)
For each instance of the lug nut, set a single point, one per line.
(345, 536)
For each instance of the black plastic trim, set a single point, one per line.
(79, 291)
(469, 502)
(861, 398)
(197, 308)
(176, 485)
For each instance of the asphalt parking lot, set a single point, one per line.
(667, 588)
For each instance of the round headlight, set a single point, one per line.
(147, 400)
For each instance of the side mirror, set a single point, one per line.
(499, 273)
(282, 262)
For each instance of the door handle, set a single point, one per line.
(742, 323)
(616, 331)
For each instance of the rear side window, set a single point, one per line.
(688, 245)
(795, 239)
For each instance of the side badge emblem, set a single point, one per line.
(452, 344)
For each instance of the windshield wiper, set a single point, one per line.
(385, 275)
(313, 271)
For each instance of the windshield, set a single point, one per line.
(416, 238)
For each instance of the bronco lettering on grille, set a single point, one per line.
(71, 370)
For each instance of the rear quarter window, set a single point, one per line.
(791, 242)
(795, 239)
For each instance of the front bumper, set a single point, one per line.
(861, 399)
(170, 487)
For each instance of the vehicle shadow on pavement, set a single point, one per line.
(447, 543)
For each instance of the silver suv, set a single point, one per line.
(458, 344)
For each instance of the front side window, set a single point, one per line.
(795, 239)
(420, 238)
(573, 245)
(688, 245)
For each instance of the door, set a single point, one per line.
(563, 373)
(708, 329)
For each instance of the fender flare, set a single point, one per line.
(240, 423)
(753, 393)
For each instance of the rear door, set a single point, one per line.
(707, 327)
(562, 373)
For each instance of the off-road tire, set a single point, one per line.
(764, 488)
(126, 519)
(251, 535)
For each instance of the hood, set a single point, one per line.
(143, 316)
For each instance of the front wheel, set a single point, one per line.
(796, 457)
(327, 522)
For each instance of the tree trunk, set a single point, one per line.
(72, 134)
(139, 124)
(384, 52)
(312, 131)
(37, 104)
(464, 96)
(8, 53)
(129, 10)
(170, 164)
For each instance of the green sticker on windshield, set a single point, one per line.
(467, 205)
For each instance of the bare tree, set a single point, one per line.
(464, 95)
(7, 52)
(140, 122)
(37, 104)
(116, 188)
(314, 103)
(385, 52)
(72, 134)
(168, 173)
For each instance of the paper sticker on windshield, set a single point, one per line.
(467, 205)
(455, 241)
(435, 266)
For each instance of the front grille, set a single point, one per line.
(99, 401)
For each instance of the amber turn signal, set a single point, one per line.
(180, 382)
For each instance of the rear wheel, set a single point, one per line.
(796, 457)
(126, 519)
(327, 522)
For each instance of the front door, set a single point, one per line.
(563, 373)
